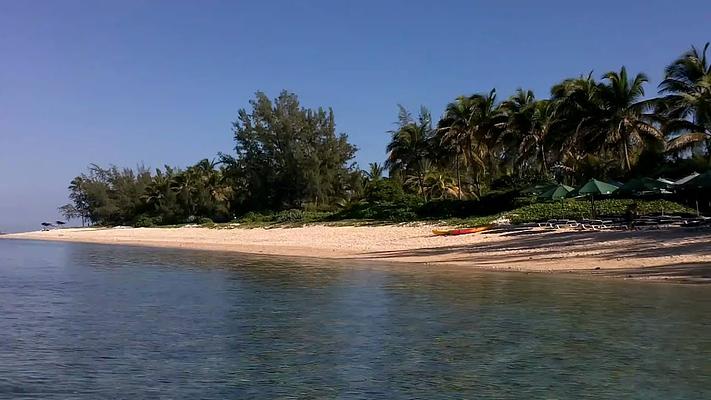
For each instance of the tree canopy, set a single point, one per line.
(287, 156)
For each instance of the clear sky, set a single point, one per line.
(159, 82)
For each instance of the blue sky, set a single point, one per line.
(159, 82)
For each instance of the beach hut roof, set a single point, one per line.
(644, 185)
(686, 178)
(701, 181)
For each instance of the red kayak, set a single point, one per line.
(462, 231)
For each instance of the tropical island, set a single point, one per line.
(518, 164)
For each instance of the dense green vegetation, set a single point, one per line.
(290, 164)
(460, 216)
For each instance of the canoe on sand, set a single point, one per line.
(462, 231)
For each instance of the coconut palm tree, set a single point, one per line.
(218, 188)
(156, 191)
(687, 100)
(625, 123)
(529, 124)
(409, 143)
(375, 172)
(416, 177)
(185, 186)
(439, 185)
(577, 104)
(543, 122)
(453, 132)
(485, 124)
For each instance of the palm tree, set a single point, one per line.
(544, 119)
(577, 104)
(409, 144)
(416, 178)
(185, 185)
(438, 185)
(156, 191)
(687, 103)
(527, 128)
(375, 172)
(485, 124)
(625, 123)
(218, 188)
(453, 132)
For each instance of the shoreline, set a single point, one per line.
(674, 255)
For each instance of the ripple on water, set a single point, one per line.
(89, 321)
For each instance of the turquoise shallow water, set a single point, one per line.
(89, 321)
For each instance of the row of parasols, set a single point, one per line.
(638, 186)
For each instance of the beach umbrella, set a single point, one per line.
(595, 187)
(60, 223)
(556, 192)
(644, 186)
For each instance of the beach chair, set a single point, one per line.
(559, 224)
(596, 224)
(568, 223)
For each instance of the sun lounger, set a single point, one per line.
(559, 223)
(596, 224)
(697, 223)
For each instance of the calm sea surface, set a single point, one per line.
(95, 322)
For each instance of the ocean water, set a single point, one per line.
(100, 322)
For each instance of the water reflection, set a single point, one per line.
(93, 321)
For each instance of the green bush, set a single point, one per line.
(384, 190)
(293, 215)
(206, 221)
(492, 203)
(144, 221)
(252, 217)
(579, 209)
(402, 210)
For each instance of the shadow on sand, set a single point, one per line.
(539, 246)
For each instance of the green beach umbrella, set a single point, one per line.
(644, 186)
(595, 187)
(556, 192)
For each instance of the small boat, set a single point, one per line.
(462, 231)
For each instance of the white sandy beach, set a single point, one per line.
(665, 254)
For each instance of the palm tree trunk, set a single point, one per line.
(420, 178)
(478, 185)
(592, 205)
(627, 156)
(459, 180)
